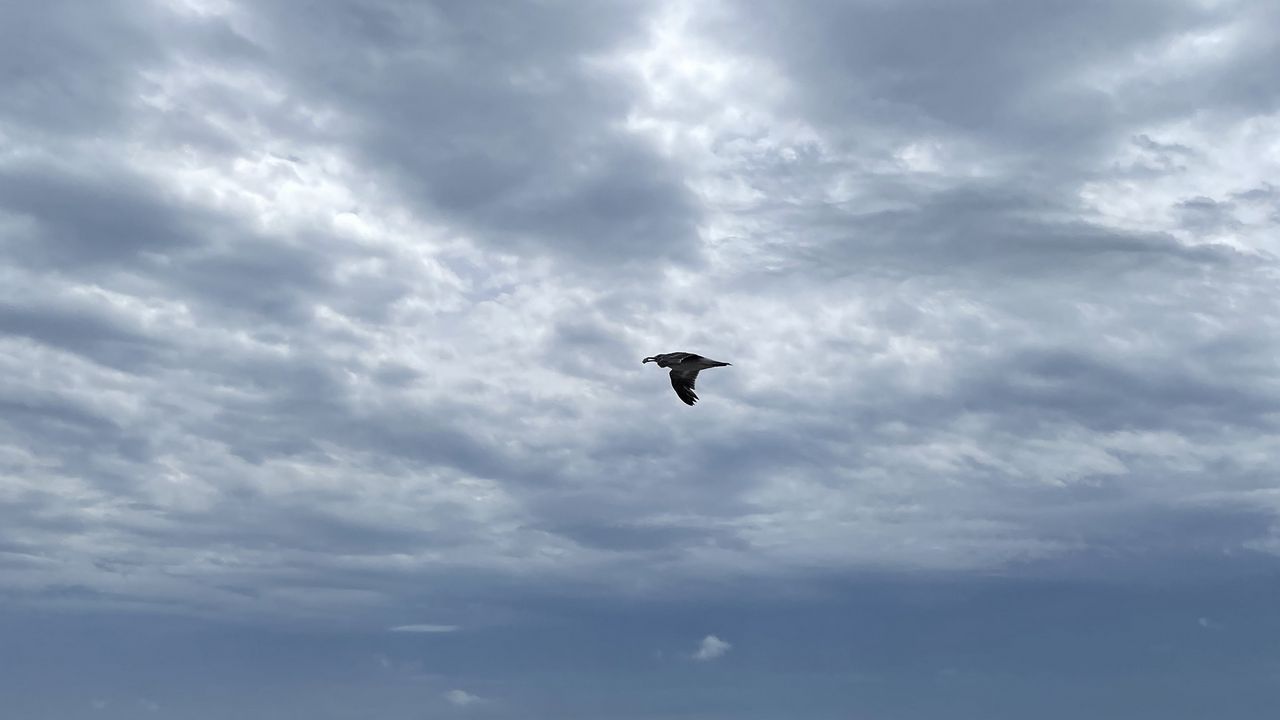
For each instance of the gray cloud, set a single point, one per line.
(505, 126)
(333, 314)
(110, 218)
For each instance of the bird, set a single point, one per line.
(684, 371)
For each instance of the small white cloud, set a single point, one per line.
(99, 704)
(462, 698)
(1208, 624)
(149, 705)
(426, 628)
(711, 648)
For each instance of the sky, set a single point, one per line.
(321, 326)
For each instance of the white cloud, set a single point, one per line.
(462, 698)
(711, 648)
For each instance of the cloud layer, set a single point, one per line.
(331, 313)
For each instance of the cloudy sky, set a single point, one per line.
(321, 327)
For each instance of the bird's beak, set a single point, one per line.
(648, 359)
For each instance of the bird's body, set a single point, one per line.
(685, 367)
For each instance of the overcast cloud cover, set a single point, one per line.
(321, 327)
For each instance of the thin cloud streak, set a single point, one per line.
(425, 628)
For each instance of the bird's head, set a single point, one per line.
(649, 360)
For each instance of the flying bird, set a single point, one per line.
(684, 371)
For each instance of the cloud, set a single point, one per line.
(425, 628)
(536, 159)
(332, 314)
(711, 648)
(339, 313)
(462, 698)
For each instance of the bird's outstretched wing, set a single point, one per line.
(683, 382)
